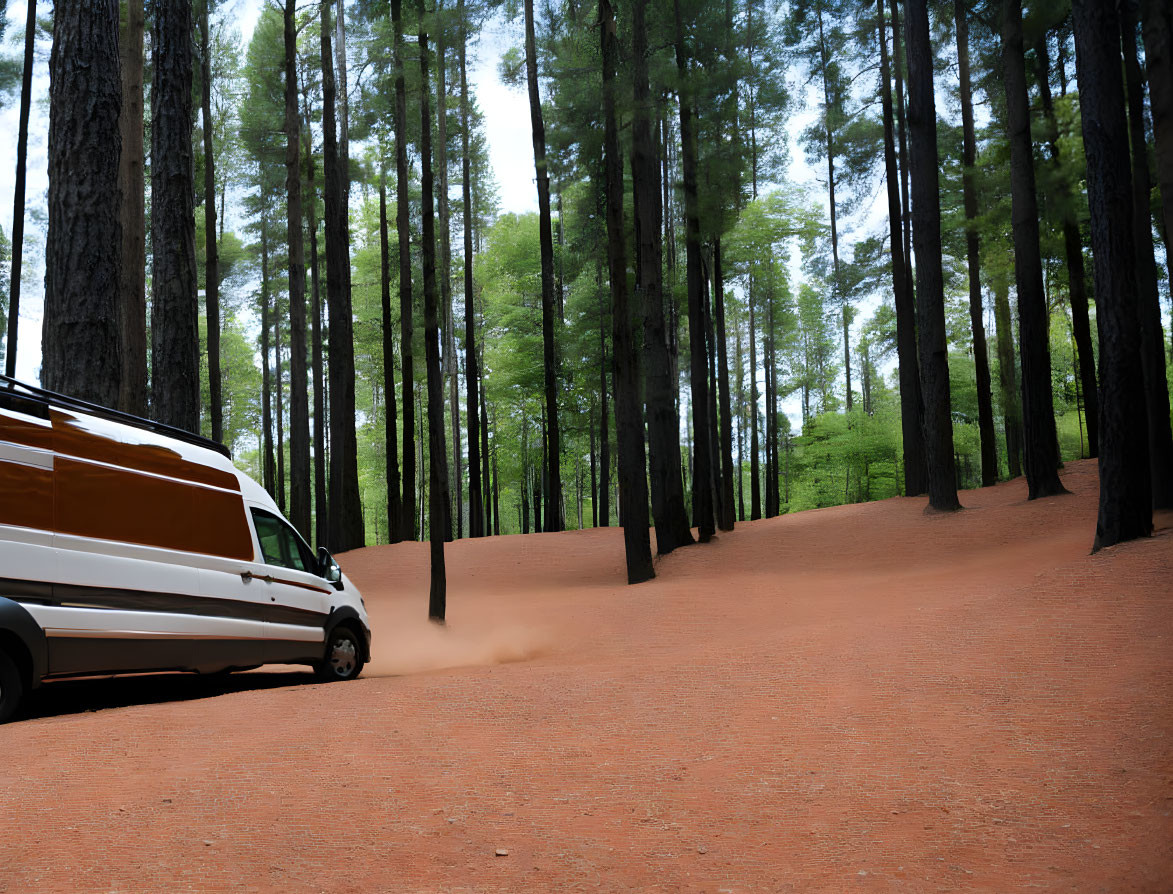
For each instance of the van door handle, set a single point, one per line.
(246, 576)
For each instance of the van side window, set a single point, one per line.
(280, 544)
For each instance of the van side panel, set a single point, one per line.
(26, 492)
(110, 503)
(88, 438)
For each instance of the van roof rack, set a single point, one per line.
(52, 398)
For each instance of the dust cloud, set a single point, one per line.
(409, 645)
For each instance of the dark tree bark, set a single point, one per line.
(902, 135)
(268, 471)
(345, 528)
(714, 440)
(438, 506)
(926, 235)
(667, 486)
(279, 414)
(1038, 412)
(22, 142)
(211, 253)
(1152, 334)
(321, 511)
(1008, 380)
(81, 353)
(1125, 489)
(448, 330)
(299, 411)
(175, 369)
(977, 325)
(476, 509)
(910, 397)
(830, 102)
(553, 506)
(1073, 249)
(633, 488)
(702, 461)
(391, 435)
(132, 289)
(726, 440)
(755, 472)
(1157, 18)
(604, 438)
(406, 318)
(492, 522)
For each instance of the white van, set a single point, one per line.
(130, 546)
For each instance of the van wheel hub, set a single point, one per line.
(343, 657)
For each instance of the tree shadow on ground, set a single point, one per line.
(60, 698)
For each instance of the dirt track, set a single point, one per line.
(860, 698)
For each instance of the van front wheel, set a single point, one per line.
(343, 656)
(11, 687)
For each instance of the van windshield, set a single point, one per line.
(280, 544)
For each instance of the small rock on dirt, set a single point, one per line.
(502, 852)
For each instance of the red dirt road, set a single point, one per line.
(860, 698)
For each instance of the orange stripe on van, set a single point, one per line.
(27, 434)
(72, 438)
(26, 496)
(113, 504)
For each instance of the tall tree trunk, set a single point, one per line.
(476, 508)
(714, 438)
(830, 102)
(438, 507)
(926, 234)
(279, 413)
(321, 511)
(299, 411)
(772, 497)
(740, 429)
(22, 142)
(702, 461)
(726, 440)
(667, 486)
(492, 523)
(268, 472)
(451, 370)
(755, 472)
(902, 133)
(1038, 413)
(981, 359)
(911, 409)
(553, 506)
(1073, 249)
(1125, 489)
(345, 529)
(604, 438)
(211, 259)
(1152, 335)
(1158, 50)
(1008, 380)
(391, 435)
(175, 368)
(406, 317)
(633, 492)
(132, 286)
(81, 350)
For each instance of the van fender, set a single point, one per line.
(16, 620)
(346, 613)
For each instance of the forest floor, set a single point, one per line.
(858, 698)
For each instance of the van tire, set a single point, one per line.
(11, 687)
(343, 657)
